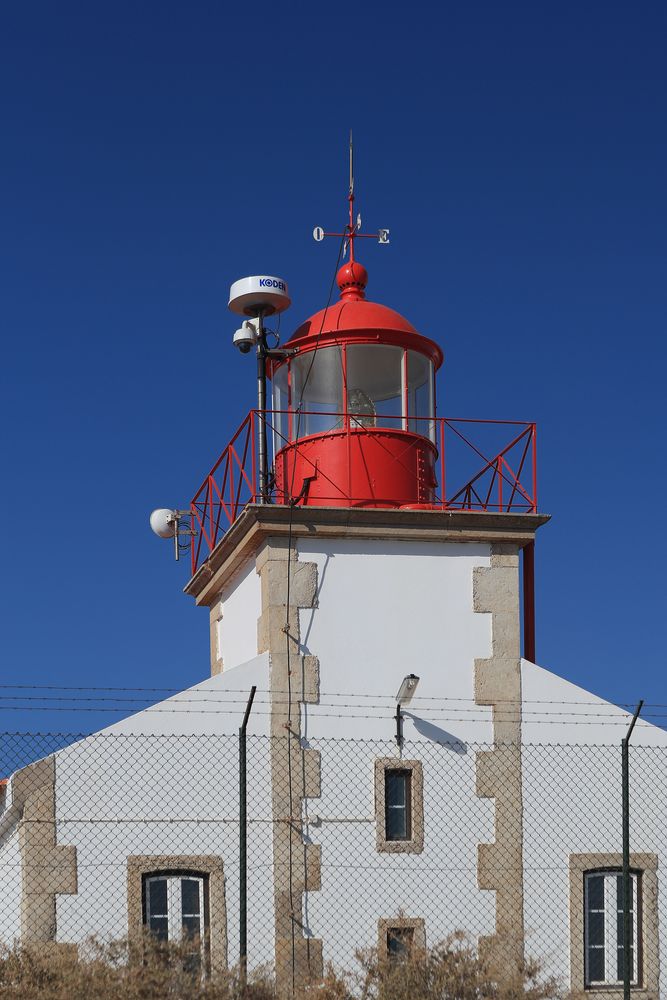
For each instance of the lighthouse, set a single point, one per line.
(332, 537)
(375, 759)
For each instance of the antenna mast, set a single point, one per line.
(352, 230)
(352, 225)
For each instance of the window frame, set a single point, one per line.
(400, 924)
(414, 843)
(174, 912)
(207, 867)
(645, 866)
(610, 934)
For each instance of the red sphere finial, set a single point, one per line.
(352, 280)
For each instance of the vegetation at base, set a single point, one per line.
(452, 970)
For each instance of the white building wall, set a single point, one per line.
(385, 609)
(389, 608)
(241, 607)
(572, 801)
(143, 787)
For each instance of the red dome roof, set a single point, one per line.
(355, 318)
(355, 314)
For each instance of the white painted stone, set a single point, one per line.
(241, 602)
(176, 759)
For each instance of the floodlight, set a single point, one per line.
(407, 689)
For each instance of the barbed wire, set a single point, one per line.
(206, 700)
(580, 719)
(324, 694)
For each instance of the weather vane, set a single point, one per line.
(353, 229)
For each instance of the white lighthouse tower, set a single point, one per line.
(359, 564)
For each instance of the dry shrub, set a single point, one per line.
(452, 970)
(109, 971)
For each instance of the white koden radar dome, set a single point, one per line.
(163, 523)
(262, 293)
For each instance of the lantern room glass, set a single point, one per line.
(421, 396)
(316, 392)
(280, 385)
(376, 385)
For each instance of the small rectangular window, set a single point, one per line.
(397, 804)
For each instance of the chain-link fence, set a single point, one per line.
(350, 844)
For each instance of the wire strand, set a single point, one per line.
(324, 694)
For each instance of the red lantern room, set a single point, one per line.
(354, 405)
(353, 418)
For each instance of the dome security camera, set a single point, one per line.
(245, 338)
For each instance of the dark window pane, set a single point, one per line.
(619, 891)
(595, 963)
(595, 892)
(190, 896)
(191, 927)
(399, 942)
(397, 804)
(620, 967)
(619, 929)
(595, 928)
(396, 824)
(160, 927)
(395, 787)
(157, 896)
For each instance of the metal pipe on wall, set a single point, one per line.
(262, 448)
(243, 843)
(529, 601)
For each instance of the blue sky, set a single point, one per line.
(152, 153)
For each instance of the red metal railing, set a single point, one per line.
(496, 474)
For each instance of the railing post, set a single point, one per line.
(253, 446)
(443, 471)
(193, 550)
(230, 479)
(210, 512)
(534, 426)
(499, 473)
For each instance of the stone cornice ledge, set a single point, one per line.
(260, 521)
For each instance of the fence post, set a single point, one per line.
(243, 846)
(627, 884)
